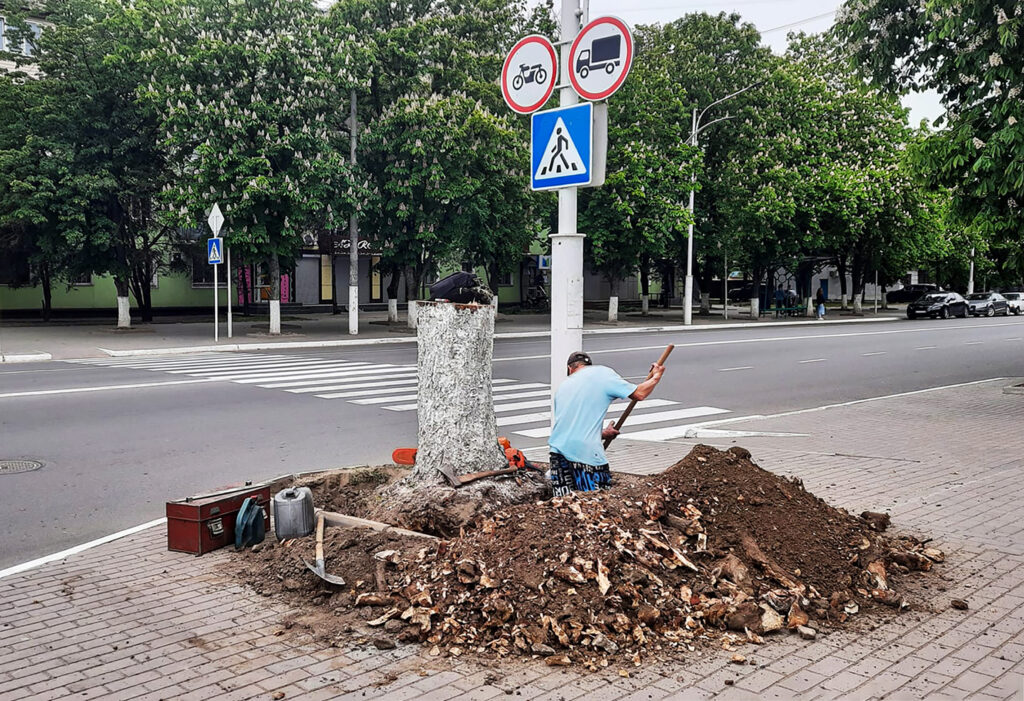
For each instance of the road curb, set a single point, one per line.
(342, 343)
(25, 358)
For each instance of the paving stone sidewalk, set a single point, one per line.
(129, 620)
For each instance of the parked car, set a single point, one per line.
(988, 303)
(909, 293)
(938, 304)
(1015, 300)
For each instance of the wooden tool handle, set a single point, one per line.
(629, 409)
(320, 541)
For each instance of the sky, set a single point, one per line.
(773, 18)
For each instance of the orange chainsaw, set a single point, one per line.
(516, 460)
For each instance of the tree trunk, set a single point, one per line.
(841, 269)
(455, 407)
(124, 318)
(755, 294)
(275, 295)
(334, 279)
(412, 283)
(613, 308)
(857, 273)
(47, 285)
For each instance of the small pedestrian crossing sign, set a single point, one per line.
(561, 147)
(215, 251)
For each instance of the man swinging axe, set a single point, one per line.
(578, 462)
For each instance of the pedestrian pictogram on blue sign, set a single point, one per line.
(214, 251)
(561, 147)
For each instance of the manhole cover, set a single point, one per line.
(11, 466)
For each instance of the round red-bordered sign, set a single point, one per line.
(529, 74)
(600, 58)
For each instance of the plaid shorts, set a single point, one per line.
(567, 476)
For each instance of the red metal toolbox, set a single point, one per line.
(203, 523)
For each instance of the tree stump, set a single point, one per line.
(455, 408)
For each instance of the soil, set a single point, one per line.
(713, 551)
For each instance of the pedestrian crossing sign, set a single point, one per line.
(561, 147)
(215, 251)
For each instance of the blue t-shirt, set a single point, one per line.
(580, 405)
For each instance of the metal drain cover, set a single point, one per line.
(8, 467)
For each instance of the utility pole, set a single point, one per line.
(353, 238)
(567, 243)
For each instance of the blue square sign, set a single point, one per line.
(215, 251)
(561, 147)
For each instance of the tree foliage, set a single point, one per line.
(971, 54)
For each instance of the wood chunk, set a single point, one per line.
(875, 520)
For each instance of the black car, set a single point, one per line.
(988, 303)
(910, 293)
(938, 304)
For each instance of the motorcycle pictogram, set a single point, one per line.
(529, 74)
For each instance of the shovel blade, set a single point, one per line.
(319, 571)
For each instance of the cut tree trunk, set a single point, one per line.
(455, 408)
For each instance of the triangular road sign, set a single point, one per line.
(561, 157)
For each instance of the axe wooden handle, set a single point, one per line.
(629, 409)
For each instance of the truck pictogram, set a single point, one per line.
(603, 53)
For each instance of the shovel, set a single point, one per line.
(319, 570)
(629, 409)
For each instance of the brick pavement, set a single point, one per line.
(129, 620)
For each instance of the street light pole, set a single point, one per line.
(695, 130)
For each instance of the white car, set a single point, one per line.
(1016, 301)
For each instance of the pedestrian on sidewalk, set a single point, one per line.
(578, 462)
(819, 304)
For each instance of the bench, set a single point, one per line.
(784, 311)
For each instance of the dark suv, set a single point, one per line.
(909, 293)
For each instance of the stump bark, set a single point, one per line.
(455, 408)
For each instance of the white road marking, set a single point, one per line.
(76, 390)
(396, 375)
(641, 419)
(812, 360)
(874, 353)
(854, 402)
(742, 367)
(271, 372)
(974, 343)
(377, 371)
(334, 394)
(63, 554)
(262, 367)
(546, 415)
(926, 347)
(775, 339)
(1012, 339)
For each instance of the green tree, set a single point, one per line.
(971, 54)
(251, 98)
(100, 166)
(639, 217)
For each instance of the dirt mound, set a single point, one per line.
(714, 549)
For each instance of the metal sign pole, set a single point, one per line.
(216, 321)
(228, 278)
(567, 243)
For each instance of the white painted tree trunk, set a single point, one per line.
(124, 317)
(705, 303)
(812, 309)
(755, 309)
(645, 304)
(455, 407)
(275, 317)
(843, 303)
(392, 311)
(613, 309)
(858, 305)
(411, 315)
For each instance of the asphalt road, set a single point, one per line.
(118, 442)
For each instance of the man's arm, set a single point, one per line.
(644, 389)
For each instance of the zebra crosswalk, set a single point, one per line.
(521, 408)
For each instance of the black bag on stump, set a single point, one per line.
(461, 288)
